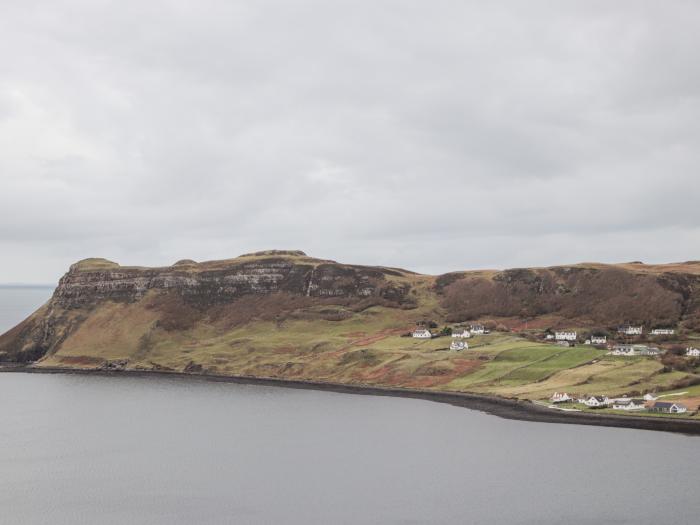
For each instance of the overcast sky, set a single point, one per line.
(436, 136)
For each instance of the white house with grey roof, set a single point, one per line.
(667, 407)
(629, 404)
(565, 335)
(631, 330)
(477, 329)
(663, 331)
(597, 401)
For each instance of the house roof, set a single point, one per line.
(667, 404)
(629, 400)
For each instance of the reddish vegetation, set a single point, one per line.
(383, 334)
(693, 403)
(429, 375)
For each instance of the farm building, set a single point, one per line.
(422, 333)
(459, 345)
(667, 407)
(461, 334)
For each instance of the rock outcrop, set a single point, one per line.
(188, 290)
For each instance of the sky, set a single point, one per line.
(435, 136)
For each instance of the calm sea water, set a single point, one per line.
(115, 450)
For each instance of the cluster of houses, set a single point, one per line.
(648, 403)
(639, 330)
(571, 336)
(635, 350)
(458, 335)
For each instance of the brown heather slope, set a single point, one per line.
(284, 314)
(584, 295)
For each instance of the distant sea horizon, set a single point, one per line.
(18, 301)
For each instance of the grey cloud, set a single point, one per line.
(435, 136)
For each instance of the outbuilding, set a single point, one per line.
(667, 407)
(459, 345)
(461, 334)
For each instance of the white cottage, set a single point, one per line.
(630, 330)
(477, 329)
(422, 333)
(459, 345)
(692, 352)
(663, 331)
(628, 404)
(461, 334)
(597, 401)
(598, 339)
(565, 336)
(561, 397)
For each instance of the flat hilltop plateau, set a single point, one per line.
(283, 314)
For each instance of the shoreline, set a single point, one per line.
(506, 408)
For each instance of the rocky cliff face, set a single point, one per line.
(83, 285)
(187, 291)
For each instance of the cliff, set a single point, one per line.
(284, 313)
(179, 296)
